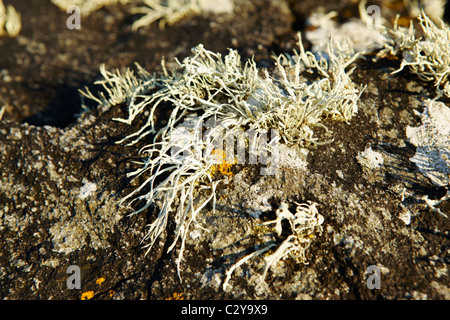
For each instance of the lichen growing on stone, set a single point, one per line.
(305, 224)
(86, 223)
(171, 11)
(427, 57)
(350, 37)
(370, 158)
(230, 96)
(10, 21)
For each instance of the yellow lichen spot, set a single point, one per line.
(100, 280)
(176, 296)
(111, 292)
(87, 295)
(224, 166)
(404, 21)
(224, 196)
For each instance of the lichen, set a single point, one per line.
(10, 21)
(88, 223)
(230, 97)
(167, 12)
(171, 11)
(370, 158)
(88, 6)
(305, 224)
(427, 57)
(350, 37)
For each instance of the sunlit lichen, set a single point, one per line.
(427, 57)
(231, 96)
(10, 21)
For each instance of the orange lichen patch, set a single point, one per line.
(224, 196)
(87, 295)
(111, 292)
(100, 280)
(176, 296)
(403, 21)
(224, 166)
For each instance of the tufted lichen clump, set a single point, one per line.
(427, 57)
(211, 98)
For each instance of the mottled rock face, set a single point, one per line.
(433, 143)
(63, 174)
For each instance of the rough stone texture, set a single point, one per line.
(51, 151)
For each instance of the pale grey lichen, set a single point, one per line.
(2, 111)
(10, 21)
(85, 223)
(350, 37)
(370, 158)
(305, 224)
(171, 11)
(88, 6)
(87, 189)
(433, 8)
(427, 57)
(119, 86)
(165, 11)
(230, 96)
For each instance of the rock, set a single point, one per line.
(63, 175)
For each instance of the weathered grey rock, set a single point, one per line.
(60, 183)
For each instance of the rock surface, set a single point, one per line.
(62, 174)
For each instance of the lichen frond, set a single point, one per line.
(167, 12)
(427, 57)
(305, 224)
(122, 88)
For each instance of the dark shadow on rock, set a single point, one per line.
(62, 109)
(165, 257)
(447, 12)
(401, 169)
